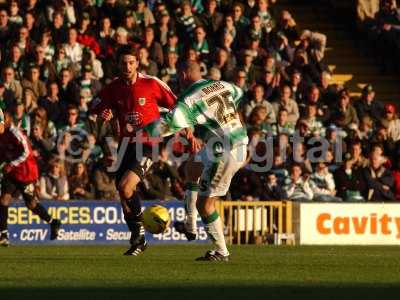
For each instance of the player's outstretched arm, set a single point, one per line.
(174, 121)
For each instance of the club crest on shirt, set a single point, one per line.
(142, 101)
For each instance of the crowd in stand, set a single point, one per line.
(55, 56)
(379, 23)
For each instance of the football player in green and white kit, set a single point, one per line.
(210, 106)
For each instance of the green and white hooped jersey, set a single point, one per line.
(210, 106)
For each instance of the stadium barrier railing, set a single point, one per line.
(257, 222)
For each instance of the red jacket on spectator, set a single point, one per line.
(16, 151)
(396, 176)
(89, 41)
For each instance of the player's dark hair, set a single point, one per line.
(127, 50)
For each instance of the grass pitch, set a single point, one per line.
(170, 272)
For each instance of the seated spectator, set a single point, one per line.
(316, 42)
(323, 184)
(282, 125)
(33, 82)
(146, 65)
(69, 91)
(56, 109)
(379, 181)
(21, 119)
(297, 186)
(153, 47)
(259, 100)
(54, 184)
(315, 127)
(104, 183)
(392, 122)
(10, 83)
(258, 120)
(7, 100)
(279, 168)
(272, 189)
(211, 17)
(288, 104)
(30, 101)
(79, 183)
(225, 65)
(396, 177)
(349, 180)
(287, 25)
(345, 115)
(368, 106)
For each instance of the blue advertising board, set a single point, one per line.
(89, 222)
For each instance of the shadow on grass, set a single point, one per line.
(204, 293)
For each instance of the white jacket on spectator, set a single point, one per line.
(394, 130)
(317, 43)
(53, 188)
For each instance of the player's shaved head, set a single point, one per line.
(190, 73)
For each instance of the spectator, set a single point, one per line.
(282, 126)
(345, 116)
(154, 48)
(33, 82)
(104, 184)
(54, 184)
(258, 100)
(349, 180)
(79, 183)
(379, 181)
(73, 50)
(10, 83)
(288, 104)
(368, 106)
(146, 65)
(211, 18)
(272, 189)
(323, 184)
(392, 122)
(297, 186)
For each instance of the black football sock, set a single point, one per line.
(134, 220)
(42, 213)
(3, 218)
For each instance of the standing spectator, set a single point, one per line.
(54, 184)
(297, 186)
(79, 184)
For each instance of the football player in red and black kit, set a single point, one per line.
(20, 173)
(134, 100)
